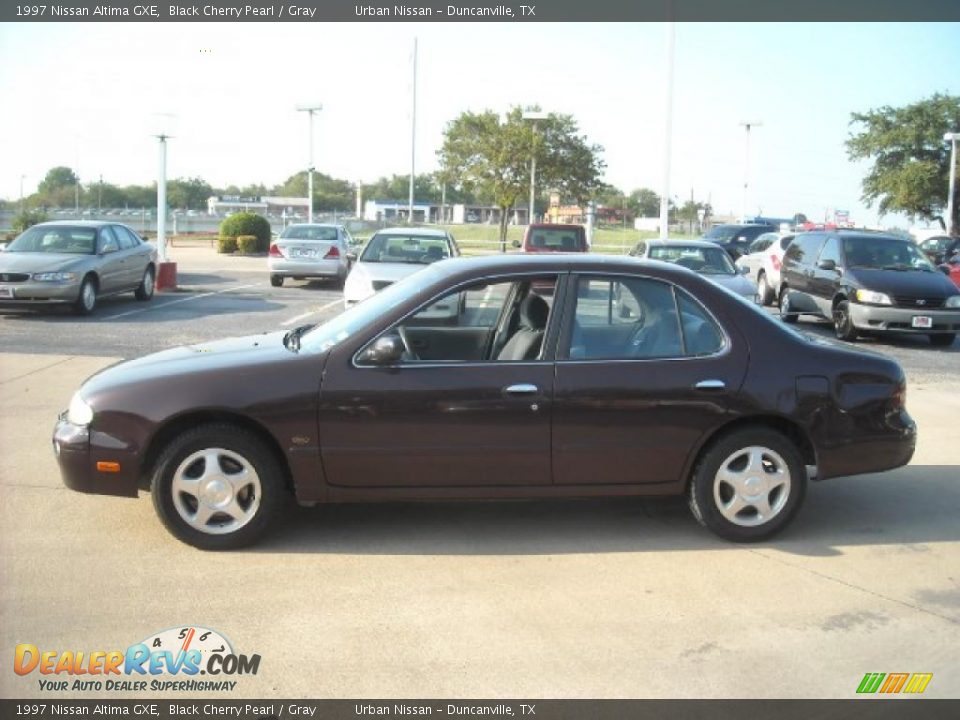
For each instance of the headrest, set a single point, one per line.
(534, 312)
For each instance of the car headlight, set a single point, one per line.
(79, 413)
(54, 276)
(952, 302)
(874, 298)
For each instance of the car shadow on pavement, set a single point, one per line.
(824, 329)
(907, 508)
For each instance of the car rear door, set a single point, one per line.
(112, 267)
(643, 372)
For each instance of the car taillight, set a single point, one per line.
(275, 251)
(333, 253)
(900, 396)
(775, 262)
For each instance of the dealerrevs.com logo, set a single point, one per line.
(171, 660)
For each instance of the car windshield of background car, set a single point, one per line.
(867, 252)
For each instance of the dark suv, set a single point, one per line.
(735, 239)
(868, 282)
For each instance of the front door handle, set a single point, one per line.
(521, 389)
(711, 385)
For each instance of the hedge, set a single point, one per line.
(247, 223)
(226, 244)
(247, 244)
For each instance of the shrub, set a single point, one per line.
(27, 219)
(247, 244)
(246, 223)
(226, 244)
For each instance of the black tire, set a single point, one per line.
(276, 280)
(842, 322)
(234, 441)
(764, 291)
(87, 299)
(144, 291)
(702, 497)
(785, 313)
(943, 339)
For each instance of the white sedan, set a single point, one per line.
(703, 257)
(309, 251)
(762, 262)
(393, 254)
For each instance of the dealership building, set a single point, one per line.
(266, 205)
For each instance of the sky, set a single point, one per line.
(86, 95)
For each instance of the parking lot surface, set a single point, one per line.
(596, 598)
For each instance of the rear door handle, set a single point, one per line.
(521, 389)
(711, 385)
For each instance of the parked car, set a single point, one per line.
(309, 251)
(868, 283)
(579, 392)
(951, 269)
(392, 254)
(762, 261)
(735, 239)
(74, 264)
(553, 237)
(703, 257)
(940, 248)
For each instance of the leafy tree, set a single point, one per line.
(911, 161)
(491, 157)
(27, 219)
(57, 178)
(645, 203)
(188, 193)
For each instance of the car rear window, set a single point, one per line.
(557, 239)
(417, 249)
(308, 232)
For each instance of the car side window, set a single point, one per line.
(124, 239)
(831, 251)
(804, 248)
(624, 319)
(108, 241)
(701, 335)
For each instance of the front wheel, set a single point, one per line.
(943, 340)
(276, 280)
(786, 313)
(749, 485)
(764, 291)
(217, 487)
(843, 323)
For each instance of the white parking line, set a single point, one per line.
(181, 300)
(320, 309)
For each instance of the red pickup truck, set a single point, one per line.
(547, 237)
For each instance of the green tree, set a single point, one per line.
(644, 202)
(27, 219)
(188, 193)
(58, 188)
(911, 161)
(491, 157)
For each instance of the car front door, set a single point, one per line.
(468, 404)
(135, 255)
(643, 372)
(825, 281)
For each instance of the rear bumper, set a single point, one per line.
(900, 320)
(307, 268)
(885, 448)
(79, 450)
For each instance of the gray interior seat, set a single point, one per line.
(525, 343)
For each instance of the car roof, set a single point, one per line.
(672, 242)
(425, 232)
(480, 265)
(76, 223)
(316, 225)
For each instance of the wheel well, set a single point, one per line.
(789, 429)
(93, 276)
(837, 299)
(181, 423)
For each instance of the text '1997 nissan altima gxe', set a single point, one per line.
(563, 375)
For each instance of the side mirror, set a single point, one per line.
(108, 248)
(516, 243)
(827, 264)
(386, 350)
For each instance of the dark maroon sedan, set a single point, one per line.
(501, 377)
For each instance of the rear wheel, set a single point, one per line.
(943, 340)
(217, 487)
(764, 291)
(843, 323)
(786, 313)
(145, 290)
(276, 280)
(87, 299)
(749, 485)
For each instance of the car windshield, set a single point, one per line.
(883, 254)
(414, 249)
(323, 337)
(56, 239)
(309, 232)
(721, 232)
(706, 261)
(557, 239)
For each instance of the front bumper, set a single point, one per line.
(81, 453)
(899, 319)
(39, 293)
(306, 268)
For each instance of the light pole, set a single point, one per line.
(667, 136)
(310, 110)
(952, 137)
(21, 193)
(533, 116)
(166, 277)
(746, 166)
(413, 135)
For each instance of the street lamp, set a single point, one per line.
(310, 110)
(533, 116)
(22, 177)
(167, 271)
(746, 166)
(952, 137)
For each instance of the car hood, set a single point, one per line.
(912, 283)
(739, 284)
(235, 354)
(386, 272)
(16, 262)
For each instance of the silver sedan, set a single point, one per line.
(309, 251)
(75, 263)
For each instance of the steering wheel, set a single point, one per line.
(407, 345)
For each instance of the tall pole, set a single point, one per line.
(952, 137)
(667, 137)
(100, 195)
(162, 201)
(21, 193)
(533, 174)
(746, 167)
(413, 134)
(310, 110)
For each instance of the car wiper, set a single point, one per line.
(291, 341)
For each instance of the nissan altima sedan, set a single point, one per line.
(563, 376)
(74, 264)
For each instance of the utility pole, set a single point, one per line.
(310, 110)
(952, 138)
(413, 135)
(100, 195)
(746, 167)
(21, 193)
(667, 137)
